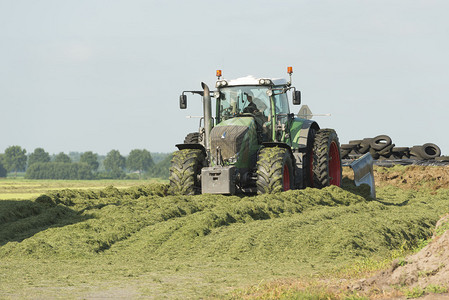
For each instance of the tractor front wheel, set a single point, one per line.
(185, 171)
(326, 165)
(274, 171)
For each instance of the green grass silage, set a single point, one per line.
(178, 246)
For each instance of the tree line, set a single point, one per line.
(40, 165)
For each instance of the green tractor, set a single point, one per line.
(254, 144)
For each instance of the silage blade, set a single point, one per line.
(363, 172)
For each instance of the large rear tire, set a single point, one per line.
(308, 159)
(326, 159)
(185, 171)
(193, 138)
(274, 171)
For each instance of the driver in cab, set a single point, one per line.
(252, 107)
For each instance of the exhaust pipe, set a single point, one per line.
(207, 108)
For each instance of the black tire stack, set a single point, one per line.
(381, 147)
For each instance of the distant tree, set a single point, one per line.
(3, 171)
(91, 159)
(15, 159)
(62, 158)
(114, 163)
(58, 170)
(75, 156)
(39, 155)
(161, 169)
(139, 160)
(158, 156)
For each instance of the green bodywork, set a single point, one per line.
(247, 155)
(294, 126)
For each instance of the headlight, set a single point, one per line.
(233, 160)
(265, 82)
(269, 93)
(216, 94)
(221, 83)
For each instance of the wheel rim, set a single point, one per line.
(286, 178)
(334, 165)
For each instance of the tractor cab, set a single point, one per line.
(263, 99)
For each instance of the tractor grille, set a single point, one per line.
(228, 138)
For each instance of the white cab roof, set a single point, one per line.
(251, 80)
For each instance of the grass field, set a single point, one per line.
(94, 240)
(22, 189)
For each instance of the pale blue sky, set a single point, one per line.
(100, 75)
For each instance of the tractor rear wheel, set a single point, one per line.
(274, 171)
(185, 171)
(326, 159)
(308, 159)
(193, 138)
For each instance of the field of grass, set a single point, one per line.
(23, 189)
(94, 240)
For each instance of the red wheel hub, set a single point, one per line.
(334, 165)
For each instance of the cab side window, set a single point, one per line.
(282, 104)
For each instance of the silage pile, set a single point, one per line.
(316, 229)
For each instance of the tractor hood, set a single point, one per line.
(234, 142)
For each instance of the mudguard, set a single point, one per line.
(191, 146)
(299, 132)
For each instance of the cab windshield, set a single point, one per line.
(250, 99)
(243, 99)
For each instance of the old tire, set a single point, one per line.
(400, 152)
(193, 138)
(326, 159)
(185, 169)
(345, 149)
(431, 151)
(426, 151)
(375, 154)
(274, 171)
(380, 142)
(355, 142)
(386, 152)
(364, 146)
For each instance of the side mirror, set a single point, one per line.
(183, 101)
(296, 97)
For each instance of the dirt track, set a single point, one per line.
(409, 177)
(427, 269)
